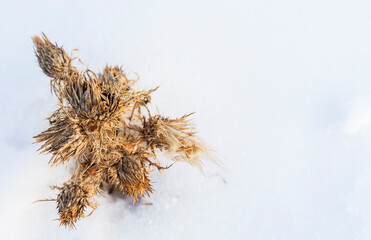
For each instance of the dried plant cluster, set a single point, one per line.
(104, 125)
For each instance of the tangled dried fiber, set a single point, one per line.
(104, 125)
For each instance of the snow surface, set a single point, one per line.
(281, 90)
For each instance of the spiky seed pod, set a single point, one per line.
(52, 59)
(130, 175)
(177, 137)
(115, 76)
(72, 202)
(54, 62)
(168, 134)
(148, 134)
(64, 139)
(85, 98)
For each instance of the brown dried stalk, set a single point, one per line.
(100, 124)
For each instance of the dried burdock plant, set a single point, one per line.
(104, 125)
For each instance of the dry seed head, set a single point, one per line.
(52, 59)
(64, 140)
(72, 202)
(129, 174)
(54, 62)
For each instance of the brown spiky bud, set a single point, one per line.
(64, 139)
(52, 59)
(72, 202)
(130, 175)
(176, 136)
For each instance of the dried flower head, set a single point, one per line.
(101, 125)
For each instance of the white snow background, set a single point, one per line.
(281, 89)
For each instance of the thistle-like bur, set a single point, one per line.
(104, 124)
